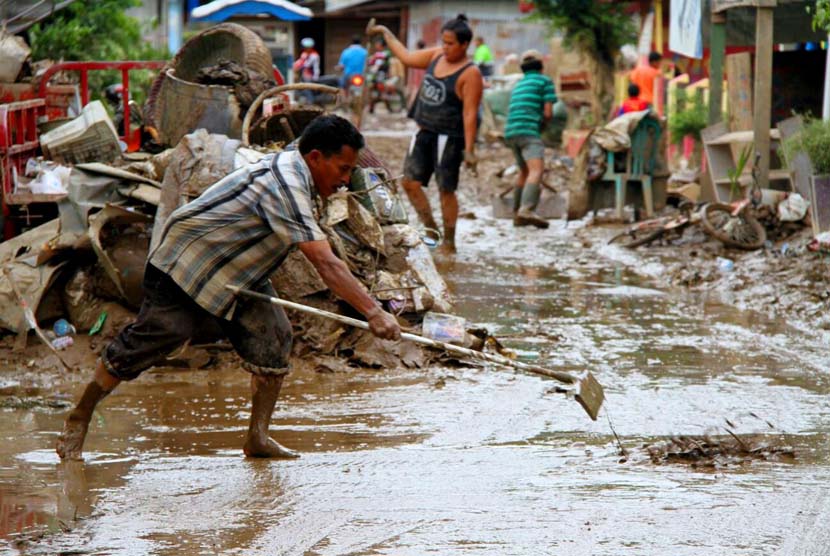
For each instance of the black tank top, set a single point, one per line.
(437, 107)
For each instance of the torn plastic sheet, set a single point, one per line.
(198, 161)
(20, 256)
(112, 214)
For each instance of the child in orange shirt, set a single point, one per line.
(633, 103)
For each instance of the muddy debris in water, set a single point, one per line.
(28, 403)
(716, 452)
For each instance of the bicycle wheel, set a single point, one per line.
(634, 237)
(742, 231)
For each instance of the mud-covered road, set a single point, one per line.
(476, 461)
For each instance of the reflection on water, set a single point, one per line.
(478, 460)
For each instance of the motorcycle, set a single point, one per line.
(114, 94)
(354, 91)
(387, 90)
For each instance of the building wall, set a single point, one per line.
(499, 22)
(153, 16)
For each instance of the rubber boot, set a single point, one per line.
(527, 212)
(517, 202)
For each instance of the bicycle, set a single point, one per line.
(643, 233)
(736, 224)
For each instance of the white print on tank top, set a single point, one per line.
(433, 92)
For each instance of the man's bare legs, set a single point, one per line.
(265, 389)
(70, 443)
(517, 191)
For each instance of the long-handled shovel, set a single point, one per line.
(586, 389)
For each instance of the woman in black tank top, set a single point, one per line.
(437, 107)
(447, 121)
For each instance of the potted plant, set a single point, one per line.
(814, 141)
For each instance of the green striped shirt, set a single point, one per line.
(239, 231)
(527, 105)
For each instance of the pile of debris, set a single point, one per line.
(717, 452)
(87, 265)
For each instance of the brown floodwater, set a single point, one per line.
(476, 461)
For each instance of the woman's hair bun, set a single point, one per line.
(462, 17)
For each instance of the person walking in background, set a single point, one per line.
(531, 105)
(307, 66)
(352, 61)
(445, 111)
(644, 75)
(483, 57)
(379, 60)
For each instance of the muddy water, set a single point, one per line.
(445, 461)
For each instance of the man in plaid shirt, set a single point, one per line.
(238, 232)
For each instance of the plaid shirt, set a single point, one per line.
(239, 230)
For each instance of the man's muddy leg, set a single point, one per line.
(517, 191)
(449, 212)
(265, 390)
(70, 443)
(415, 192)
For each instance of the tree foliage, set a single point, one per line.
(598, 28)
(96, 30)
(821, 15)
(91, 30)
(813, 139)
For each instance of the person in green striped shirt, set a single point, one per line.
(531, 105)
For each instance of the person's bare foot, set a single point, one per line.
(269, 448)
(70, 443)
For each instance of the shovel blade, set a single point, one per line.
(590, 395)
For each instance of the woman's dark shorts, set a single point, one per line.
(259, 331)
(431, 152)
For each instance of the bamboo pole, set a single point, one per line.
(588, 392)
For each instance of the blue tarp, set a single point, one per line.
(220, 10)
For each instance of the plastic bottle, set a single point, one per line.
(62, 342)
(63, 328)
(444, 328)
(382, 201)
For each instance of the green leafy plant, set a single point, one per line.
(736, 172)
(821, 15)
(96, 30)
(688, 122)
(814, 140)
